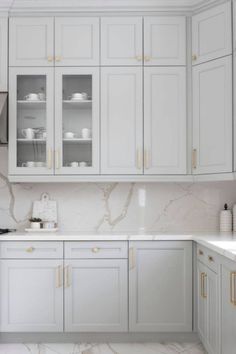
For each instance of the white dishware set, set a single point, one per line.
(85, 134)
(32, 97)
(32, 164)
(31, 133)
(78, 164)
(78, 96)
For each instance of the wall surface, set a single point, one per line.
(166, 207)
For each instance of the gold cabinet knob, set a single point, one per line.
(147, 58)
(194, 57)
(200, 252)
(210, 259)
(58, 58)
(50, 59)
(30, 249)
(138, 58)
(95, 249)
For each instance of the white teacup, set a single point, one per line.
(83, 164)
(86, 133)
(69, 135)
(39, 164)
(28, 164)
(44, 135)
(28, 133)
(32, 97)
(79, 96)
(74, 164)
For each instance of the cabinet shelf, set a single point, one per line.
(27, 141)
(31, 104)
(78, 141)
(85, 104)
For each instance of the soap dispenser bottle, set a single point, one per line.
(226, 220)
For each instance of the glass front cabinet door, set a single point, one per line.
(76, 121)
(31, 111)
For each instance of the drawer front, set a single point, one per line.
(93, 249)
(31, 250)
(208, 257)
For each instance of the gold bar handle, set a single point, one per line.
(67, 276)
(233, 288)
(50, 59)
(138, 58)
(58, 58)
(146, 159)
(194, 159)
(131, 258)
(139, 159)
(147, 58)
(49, 162)
(203, 277)
(59, 277)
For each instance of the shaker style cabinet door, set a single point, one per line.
(31, 41)
(212, 34)
(160, 286)
(31, 123)
(228, 308)
(121, 41)
(3, 53)
(212, 117)
(121, 121)
(76, 41)
(31, 296)
(165, 120)
(77, 129)
(165, 40)
(96, 295)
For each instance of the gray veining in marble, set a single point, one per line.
(106, 348)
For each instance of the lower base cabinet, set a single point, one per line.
(160, 293)
(228, 307)
(31, 295)
(96, 295)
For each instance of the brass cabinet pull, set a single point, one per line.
(194, 57)
(95, 249)
(201, 253)
(139, 58)
(194, 158)
(30, 249)
(67, 276)
(147, 58)
(50, 59)
(58, 58)
(131, 258)
(59, 277)
(49, 162)
(210, 259)
(139, 163)
(203, 277)
(233, 288)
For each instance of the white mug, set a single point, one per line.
(83, 164)
(74, 164)
(28, 164)
(28, 133)
(32, 97)
(39, 164)
(44, 135)
(86, 133)
(79, 96)
(69, 135)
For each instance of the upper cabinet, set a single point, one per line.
(165, 120)
(121, 41)
(76, 41)
(212, 117)
(211, 34)
(3, 53)
(31, 41)
(165, 40)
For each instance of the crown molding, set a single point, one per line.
(27, 6)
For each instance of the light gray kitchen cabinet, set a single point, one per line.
(121, 41)
(212, 33)
(121, 120)
(228, 307)
(77, 41)
(3, 53)
(31, 41)
(212, 117)
(208, 308)
(31, 295)
(96, 295)
(164, 40)
(165, 138)
(160, 286)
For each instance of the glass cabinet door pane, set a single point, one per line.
(31, 121)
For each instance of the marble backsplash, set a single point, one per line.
(165, 207)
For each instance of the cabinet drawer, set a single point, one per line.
(208, 257)
(95, 249)
(31, 249)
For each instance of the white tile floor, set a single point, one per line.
(113, 348)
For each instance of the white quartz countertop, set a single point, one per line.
(222, 243)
